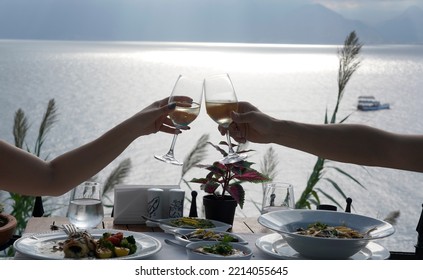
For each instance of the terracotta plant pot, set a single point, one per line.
(218, 209)
(8, 229)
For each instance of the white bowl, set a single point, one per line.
(287, 222)
(193, 255)
(180, 233)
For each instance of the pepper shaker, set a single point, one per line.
(193, 209)
(349, 202)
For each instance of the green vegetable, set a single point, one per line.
(131, 239)
(221, 248)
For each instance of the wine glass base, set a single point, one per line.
(232, 158)
(169, 159)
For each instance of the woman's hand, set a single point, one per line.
(249, 124)
(155, 117)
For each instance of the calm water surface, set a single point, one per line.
(97, 85)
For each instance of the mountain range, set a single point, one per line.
(240, 21)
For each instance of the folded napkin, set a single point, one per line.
(130, 202)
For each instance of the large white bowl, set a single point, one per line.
(193, 255)
(287, 222)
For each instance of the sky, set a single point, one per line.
(124, 18)
(369, 11)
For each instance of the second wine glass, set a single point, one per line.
(221, 100)
(187, 94)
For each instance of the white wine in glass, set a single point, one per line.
(221, 100)
(187, 94)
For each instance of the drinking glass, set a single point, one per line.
(221, 100)
(187, 93)
(278, 196)
(85, 208)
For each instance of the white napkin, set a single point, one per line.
(130, 202)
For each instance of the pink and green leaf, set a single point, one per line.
(237, 192)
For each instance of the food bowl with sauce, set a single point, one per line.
(337, 235)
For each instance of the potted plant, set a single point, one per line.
(223, 185)
(8, 225)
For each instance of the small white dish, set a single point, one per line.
(275, 246)
(181, 234)
(247, 253)
(165, 225)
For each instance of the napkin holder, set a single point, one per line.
(130, 203)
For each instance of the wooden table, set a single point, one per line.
(43, 224)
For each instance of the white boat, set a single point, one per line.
(369, 103)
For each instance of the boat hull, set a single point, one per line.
(372, 108)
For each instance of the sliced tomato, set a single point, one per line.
(115, 240)
(118, 235)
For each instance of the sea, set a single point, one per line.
(97, 85)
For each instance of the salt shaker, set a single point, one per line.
(176, 203)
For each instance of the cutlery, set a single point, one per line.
(165, 222)
(367, 233)
(69, 229)
(153, 220)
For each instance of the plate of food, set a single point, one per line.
(218, 250)
(321, 234)
(171, 224)
(90, 244)
(186, 236)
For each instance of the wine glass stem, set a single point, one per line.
(231, 150)
(172, 146)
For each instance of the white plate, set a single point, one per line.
(219, 226)
(274, 245)
(184, 241)
(40, 245)
(247, 253)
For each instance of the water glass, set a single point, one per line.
(85, 208)
(278, 196)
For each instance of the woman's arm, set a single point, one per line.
(24, 173)
(350, 143)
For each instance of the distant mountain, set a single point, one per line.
(316, 24)
(243, 21)
(404, 29)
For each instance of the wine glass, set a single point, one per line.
(187, 93)
(221, 100)
(277, 196)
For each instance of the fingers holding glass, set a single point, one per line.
(221, 101)
(187, 95)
